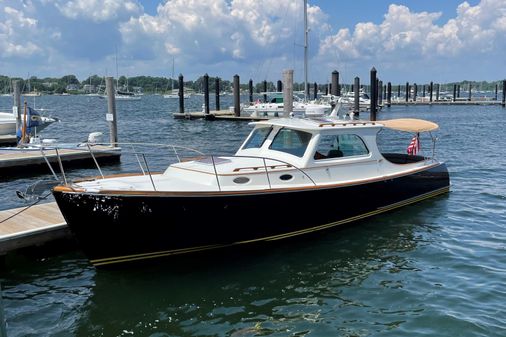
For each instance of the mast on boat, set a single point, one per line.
(305, 51)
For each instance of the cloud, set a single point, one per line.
(98, 10)
(15, 26)
(403, 33)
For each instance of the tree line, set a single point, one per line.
(151, 84)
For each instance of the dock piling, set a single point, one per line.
(315, 93)
(279, 86)
(237, 99)
(469, 93)
(454, 92)
(431, 88)
(504, 93)
(181, 94)
(389, 94)
(356, 101)
(335, 84)
(496, 90)
(250, 87)
(380, 93)
(217, 89)
(415, 91)
(437, 92)
(111, 111)
(16, 108)
(287, 92)
(265, 90)
(407, 92)
(206, 94)
(374, 93)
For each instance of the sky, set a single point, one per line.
(415, 41)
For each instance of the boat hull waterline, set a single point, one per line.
(122, 227)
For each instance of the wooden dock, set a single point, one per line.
(24, 160)
(8, 139)
(202, 114)
(31, 226)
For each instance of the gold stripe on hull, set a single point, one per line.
(137, 257)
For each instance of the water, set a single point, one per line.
(436, 268)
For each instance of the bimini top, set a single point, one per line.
(401, 124)
(410, 125)
(315, 124)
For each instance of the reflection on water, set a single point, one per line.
(312, 285)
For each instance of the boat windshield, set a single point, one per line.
(291, 141)
(257, 138)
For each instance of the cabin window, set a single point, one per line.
(344, 145)
(257, 138)
(291, 141)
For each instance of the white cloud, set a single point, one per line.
(475, 29)
(16, 31)
(98, 10)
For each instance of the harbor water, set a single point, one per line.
(435, 268)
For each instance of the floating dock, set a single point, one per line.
(31, 226)
(202, 114)
(30, 159)
(8, 139)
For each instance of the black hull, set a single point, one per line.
(122, 228)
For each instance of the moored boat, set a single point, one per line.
(290, 177)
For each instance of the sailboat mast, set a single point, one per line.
(305, 51)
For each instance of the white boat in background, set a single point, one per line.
(8, 122)
(274, 107)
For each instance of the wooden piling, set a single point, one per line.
(458, 90)
(111, 111)
(356, 102)
(279, 86)
(335, 83)
(496, 90)
(265, 90)
(315, 93)
(407, 92)
(431, 88)
(374, 93)
(17, 103)
(206, 94)
(217, 90)
(415, 91)
(454, 92)
(389, 94)
(437, 92)
(287, 92)
(380, 93)
(469, 94)
(398, 92)
(423, 91)
(181, 94)
(237, 98)
(250, 87)
(504, 93)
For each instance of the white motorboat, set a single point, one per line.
(8, 123)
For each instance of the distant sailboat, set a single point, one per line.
(174, 93)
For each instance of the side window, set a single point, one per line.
(334, 146)
(291, 141)
(257, 138)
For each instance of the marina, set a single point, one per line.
(390, 253)
(360, 193)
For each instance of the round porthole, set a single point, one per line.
(286, 177)
(241, 180)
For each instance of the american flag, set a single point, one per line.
(414, 146)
